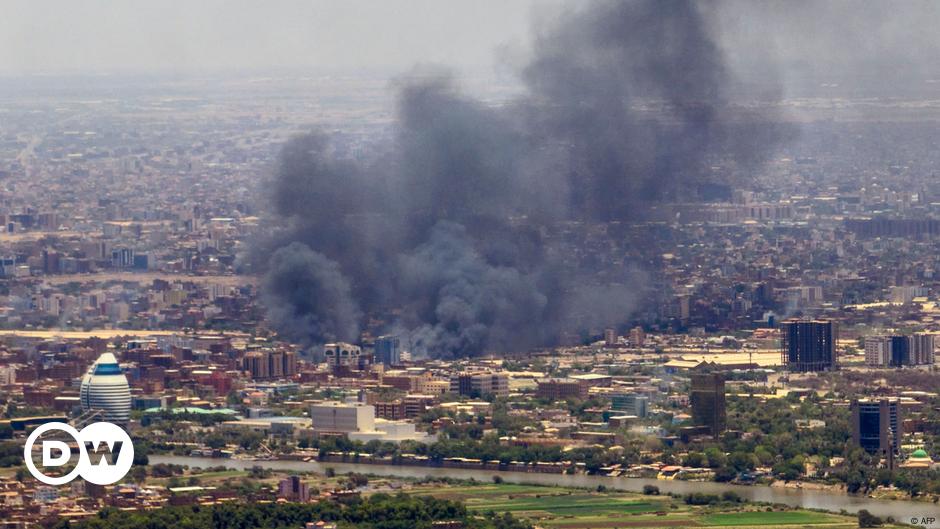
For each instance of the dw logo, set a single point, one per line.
(95, 442)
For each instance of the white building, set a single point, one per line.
(105, 388)
(340, 417)
(923, 347)
(358, 422)
(391, 431)
(877, 350)
(342, 354)
(913, 350)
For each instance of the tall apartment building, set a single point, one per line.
(343, 358)
(897, 351)
(275, 364)
(293, 489)
(707, 396)
(264, 364)
(809, 345)
(877, 427)
(877, 351)
(388, 350)
(256, 364)
(637, 337)
(610, 337)
(922, 348)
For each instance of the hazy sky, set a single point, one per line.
(790, 43)
(60, 36)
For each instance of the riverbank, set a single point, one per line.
(824, 500)
(808, 485)
(550, 468)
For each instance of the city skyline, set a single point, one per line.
(470, 265)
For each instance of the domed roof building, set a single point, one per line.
(105, 388)
(918, 459)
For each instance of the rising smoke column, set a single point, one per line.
(637, 95)
(444, 227)
(467, 304)
(308, 297)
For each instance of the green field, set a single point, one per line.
(464, 492)
(574, 504)
(561, 508)
(738, 519)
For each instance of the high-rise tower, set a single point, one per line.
(105, 388)
(809, 345)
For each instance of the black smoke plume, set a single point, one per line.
(307, 294)
(637, 96)
(446, 231)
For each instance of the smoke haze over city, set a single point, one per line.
(453, 264)
(625, 105)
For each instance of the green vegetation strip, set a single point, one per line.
(767, 518)
(565, 504)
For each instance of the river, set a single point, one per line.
(902, 511)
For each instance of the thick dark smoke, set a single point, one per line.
(636, 92)
(467, 302)
(307, 295)
(444, 232)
